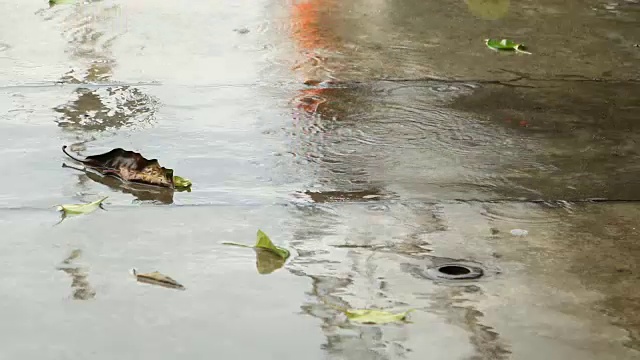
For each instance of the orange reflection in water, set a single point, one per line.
(309, 100)
(307, 27)
(311, 33)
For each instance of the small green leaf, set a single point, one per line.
(71, 209)
(268, 256)
(505, 45)
(181, 183)
(265, 243)
(375, 316)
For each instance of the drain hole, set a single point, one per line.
(454, 270)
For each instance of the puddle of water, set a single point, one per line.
(373, 139)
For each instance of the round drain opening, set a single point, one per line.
(455, 271)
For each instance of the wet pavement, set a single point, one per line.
(374, 139)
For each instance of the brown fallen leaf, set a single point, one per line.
(129, 166)
(156, 278)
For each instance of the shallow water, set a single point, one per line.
(412, 145)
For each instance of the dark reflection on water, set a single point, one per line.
(368, 270)
(267, 262)
(592, 244)
(348, 134)
(343, 339)
(584, 137)
(81, 289)
(607, 260)
(89, 28)
(332, 196)
(318, 127)
(371, 135)
(453, 304)
(140, 191)
(338, 131)
(106, 109)
(551, 141)
(327, 291)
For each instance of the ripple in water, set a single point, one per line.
(523, 213)
(343, 196)
(350, 131)
(410, 126)
(401, 117)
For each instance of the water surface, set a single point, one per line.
(375, 139)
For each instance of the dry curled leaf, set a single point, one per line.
(129, 166)
(368, 316)
(156, 278)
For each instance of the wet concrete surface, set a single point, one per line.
(412, 146)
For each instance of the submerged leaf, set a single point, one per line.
(156, 278)
(268, 262)
(505, 45)
(375, 316)
(181, 183)
(72, 209)
(128, 166)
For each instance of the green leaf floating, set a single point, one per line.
(505, 45)
(74, 209)
(264, 243)
(181, 183)
(375, 316)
